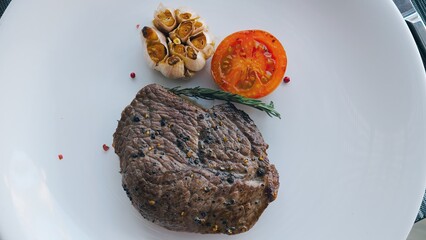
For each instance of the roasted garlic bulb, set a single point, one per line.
(179, 43)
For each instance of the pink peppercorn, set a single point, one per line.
(286, 79)
(105, 147)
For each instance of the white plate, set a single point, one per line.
(350, 148)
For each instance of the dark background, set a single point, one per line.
(3, 5)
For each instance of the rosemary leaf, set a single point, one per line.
(211, 94)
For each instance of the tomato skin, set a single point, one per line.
(251, 63)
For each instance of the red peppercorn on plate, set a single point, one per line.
(349, 147)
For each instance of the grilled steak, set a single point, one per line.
(192, 169)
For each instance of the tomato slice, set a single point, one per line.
(251, 63)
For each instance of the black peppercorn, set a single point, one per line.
(260, 172)
(230, 179)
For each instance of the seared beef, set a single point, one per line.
(192, 169)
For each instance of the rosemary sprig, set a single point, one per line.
(211, 94)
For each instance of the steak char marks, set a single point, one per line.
(191, 169)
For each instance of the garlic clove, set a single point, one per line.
(194, 59)
(177, 49)
(152, 35)
(202, 42)
(149, 34)
(172, 67)
(182, 33)
(199, 26)
(164, 19)
(184, 14)
(155, 46)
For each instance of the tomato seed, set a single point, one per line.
(132, 75)
(105, 147)
(60, 156)
(286, 79)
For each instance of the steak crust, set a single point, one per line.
(192, 169)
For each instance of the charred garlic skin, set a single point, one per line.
(179, 44)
